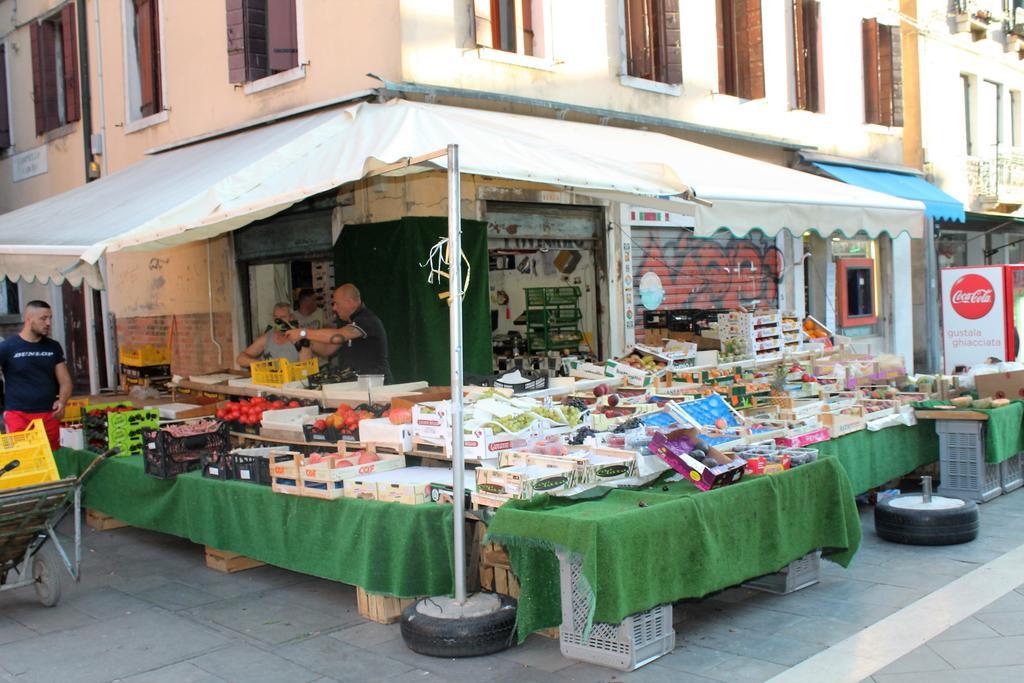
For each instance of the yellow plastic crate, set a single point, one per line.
(32, 449)
(278, 372)
(144, 356)
(75, 409)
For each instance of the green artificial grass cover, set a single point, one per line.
(873, 458)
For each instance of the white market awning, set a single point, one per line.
(209, 188)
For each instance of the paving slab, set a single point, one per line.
(267, 618)
(244, 662)
(975, 652)
(182, 672)
(340, 661)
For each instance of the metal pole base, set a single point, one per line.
(481, 624)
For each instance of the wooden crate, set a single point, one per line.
(383, 609)
(496, 573)
(101, 522)
(229, 562)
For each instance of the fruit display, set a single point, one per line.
(343, 423)
(245, 415)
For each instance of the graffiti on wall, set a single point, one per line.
(701, 272)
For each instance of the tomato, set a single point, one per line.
(278, 405)
(293, 404)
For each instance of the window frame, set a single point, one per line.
(968, 88)
(882, 106)
(65, 115)
(636, 82)
(727, 37)
(1015, 112)
(134, 125)
(297, 72)
(843, 266)
(545, 62)
(814, 83)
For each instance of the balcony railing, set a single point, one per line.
(999, 180)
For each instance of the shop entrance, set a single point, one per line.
(76, 331)
(534, 246)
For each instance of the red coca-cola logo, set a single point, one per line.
(972, 296)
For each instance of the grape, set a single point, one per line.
(631, 423)
(580, 435)
(578, 403)
(516, 423)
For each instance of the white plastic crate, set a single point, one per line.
(637, 640)
(1011, 474)
(794, 576)
(963, 472)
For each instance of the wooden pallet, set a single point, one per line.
(496, 575)
(426, 448)
(383, 609)
(101, 522)
(228, 562)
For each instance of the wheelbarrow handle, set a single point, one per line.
(96, 461)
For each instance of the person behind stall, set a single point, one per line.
(275, 343)
(359, 344)
(37, 382)
(307, 312)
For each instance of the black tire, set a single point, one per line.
(926, 525)
(468, 637)
(47, 571)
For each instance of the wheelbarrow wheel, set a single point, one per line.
(47, 570)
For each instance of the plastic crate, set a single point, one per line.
(142, 356)
(73, 411)
(552, 296)
(31, 448)
(253, 464)
(791, 578)
(278, 372)
(1011, 474)
(963, 472)
(217, 465)
(639, 639)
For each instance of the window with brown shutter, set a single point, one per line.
(508, 25)
(653, 47)
(883, 79)
(147, 50)
(55, 70)
(5, 120)
(740, 49)
(807, 55)
(263, 38)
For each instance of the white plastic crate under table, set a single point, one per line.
(794, 576)
(963, 472)
(639, 639)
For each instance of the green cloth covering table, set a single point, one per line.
(683, 543)
(1004, 429)
(873, 458)
(401, 550)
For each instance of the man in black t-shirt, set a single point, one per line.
(360, 344)
(37, 381)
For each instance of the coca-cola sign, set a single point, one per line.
(972, 296)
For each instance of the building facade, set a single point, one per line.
(93, 87)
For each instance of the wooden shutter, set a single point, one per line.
(670, 41)
(282, 36)
(148, 30)
(869, 31)
(256, 40)
(723, 25)
(816, 75)
(897, 78)
(48, 54)
(885, 75)
(800, 54)
(484, 12)
(638, 39)
(236, 40)
(5, 122)
(38, 87)
(72, 107)
(524, 39)
(754, 42)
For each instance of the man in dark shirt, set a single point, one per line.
(38, 384)
(360, 344)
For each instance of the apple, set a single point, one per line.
(613, 400)
(368, 457)
(600, 390)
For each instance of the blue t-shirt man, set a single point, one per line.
(30, 371)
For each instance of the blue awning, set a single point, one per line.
(938, 204)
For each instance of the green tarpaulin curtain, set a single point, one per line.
(383, 261)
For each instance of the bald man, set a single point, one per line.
(360, 344)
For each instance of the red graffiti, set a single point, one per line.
(705, 273)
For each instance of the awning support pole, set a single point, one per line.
(455, 339)
(931, 297)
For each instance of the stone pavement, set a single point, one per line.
(149, 610)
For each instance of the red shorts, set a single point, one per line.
(17, 421)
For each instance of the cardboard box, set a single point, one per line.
(324, 479)
(380, 430)
(804, 437)
(359, 488)
(409, 485)
(1000, 385)
(674, 448)
(540, 474)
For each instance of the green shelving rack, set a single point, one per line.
(553, 318)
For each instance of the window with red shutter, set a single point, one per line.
(5, 120)
(653, 45)
(883, 78)
(55, 70)
(740, 49)
(807, 55)
(510, 25)
(145, 36)
(262, 38)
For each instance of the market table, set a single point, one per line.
(402, 550)
(873, 458)
(1004, 428)
(681, 543)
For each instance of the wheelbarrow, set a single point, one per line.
(31, 553)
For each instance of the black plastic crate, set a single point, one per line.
(149, 371)
(217, 464)
(254, 469)
(167, 455)
(531, 384)
(655, 318)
